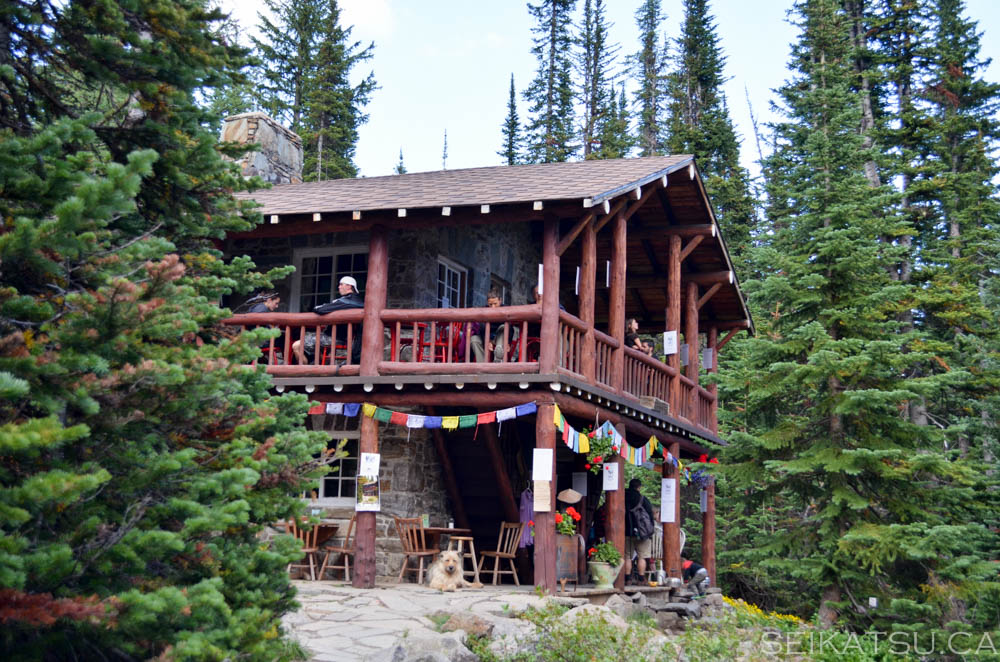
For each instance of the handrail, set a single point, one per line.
(296, 319)
(606, 339)
(573, 321)
(643, 357)
(529, 313)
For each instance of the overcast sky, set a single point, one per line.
(445, 65)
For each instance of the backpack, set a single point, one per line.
(642, 523)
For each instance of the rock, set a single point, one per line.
(619, 605)
(685, 609)
(513, 638)
(426, 648)
(714, 590)
(470, 623)
(639, 600)
(713, 600)
(601, 611)
(667, 620)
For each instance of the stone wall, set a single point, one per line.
(279, 159)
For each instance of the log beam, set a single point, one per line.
(567, 240)
(691, 245)
(708, 295)
(376, 290)
(708, 533)
(364, 538)
(507, 502)
(672, 530)
(588, 287)
(548, 358)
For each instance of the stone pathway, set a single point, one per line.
(340, 623)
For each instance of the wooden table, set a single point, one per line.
(432, 535)
(327, 529)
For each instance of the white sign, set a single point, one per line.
(684, 354)
(707, 359)
(541, 279)
(704, 500)
(669, 342)
(668, 500)
(607, 273)
(578, 281)
(541, 464)
(580, 481)
(873, 602)
(610, 476)
(369, 464)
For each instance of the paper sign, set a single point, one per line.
(369, 464)
(873, 602)
(607, 273)
(684, 354)
(704, 500)
(580, 481)
(669, 342)
(577, 291)
(541, 464)
(368, 496)
(610, 476)
(541, 279)
(707, 359)
(668, 500)
(542, 491)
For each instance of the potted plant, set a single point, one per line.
(601, 450)
(605, 562)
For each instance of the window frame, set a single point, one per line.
(300, 254)
(354, 440)
(463, 275)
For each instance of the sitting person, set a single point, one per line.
(632, 338)
(349, 298)
(495, 343)
(267, 302)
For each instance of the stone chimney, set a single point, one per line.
(279, 160)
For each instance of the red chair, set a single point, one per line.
(531, 349)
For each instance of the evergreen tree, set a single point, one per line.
(871, 492)
(595, 64)
(613, 138)
(513, 141)
(332, 106)
(550, 127)
(650, 66)
(288, 50)
(699, 124)
(399, 168)
(140, 454)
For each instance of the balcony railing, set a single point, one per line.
(439, 341)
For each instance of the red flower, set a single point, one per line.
(592, 434)
(598, 459)
(571, 511)
(558, 518)
(703, 458)
(531, 522)
(590, 552)
(714, 460)
(586, 466)
(577, 517)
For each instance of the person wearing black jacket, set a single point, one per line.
(349, 298)
(633, 544)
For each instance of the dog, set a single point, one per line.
(445, 574)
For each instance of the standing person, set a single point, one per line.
(349, 298)
(638, 528)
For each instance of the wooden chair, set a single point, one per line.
(510, 534)
(411, 535)
(309, 547)
(346, 551)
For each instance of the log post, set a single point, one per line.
(691, 338)
(616, 307)
(713, 388)
(673, 314)
(364, 538)
(672, 530)
(372, 335)
(548, 355)
(615, 528)
(545, 526)
(588, 277)
(708, 532)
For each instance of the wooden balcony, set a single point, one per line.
(433, 341)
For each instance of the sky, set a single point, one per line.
(445, 65)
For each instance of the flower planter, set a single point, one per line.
(569, 557)
(604, 574)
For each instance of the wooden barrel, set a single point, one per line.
(569, 557)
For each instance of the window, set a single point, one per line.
(337, 488)
(501, 286)
(452, 285)
(318, 270)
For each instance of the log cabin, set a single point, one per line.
(603, 240)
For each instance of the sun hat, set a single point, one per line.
(569, 496)
(349, 280)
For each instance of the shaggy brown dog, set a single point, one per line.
(445, 574)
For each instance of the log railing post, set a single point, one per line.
(616, 307)
(673, 314)
(588, 277)
(364, 538)
(376, 289)
(548, 353)
(615, 520)
(691, 338)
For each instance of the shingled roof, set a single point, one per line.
(585, 180)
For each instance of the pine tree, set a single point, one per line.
(871, 492)
(699, 124)
(650, 66)
(513, 141)
(140, 454)
(550, 127)
(332, 106)
(613, 137)
(399, 168)
(595, 63)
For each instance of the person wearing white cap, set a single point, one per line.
(349, 298)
